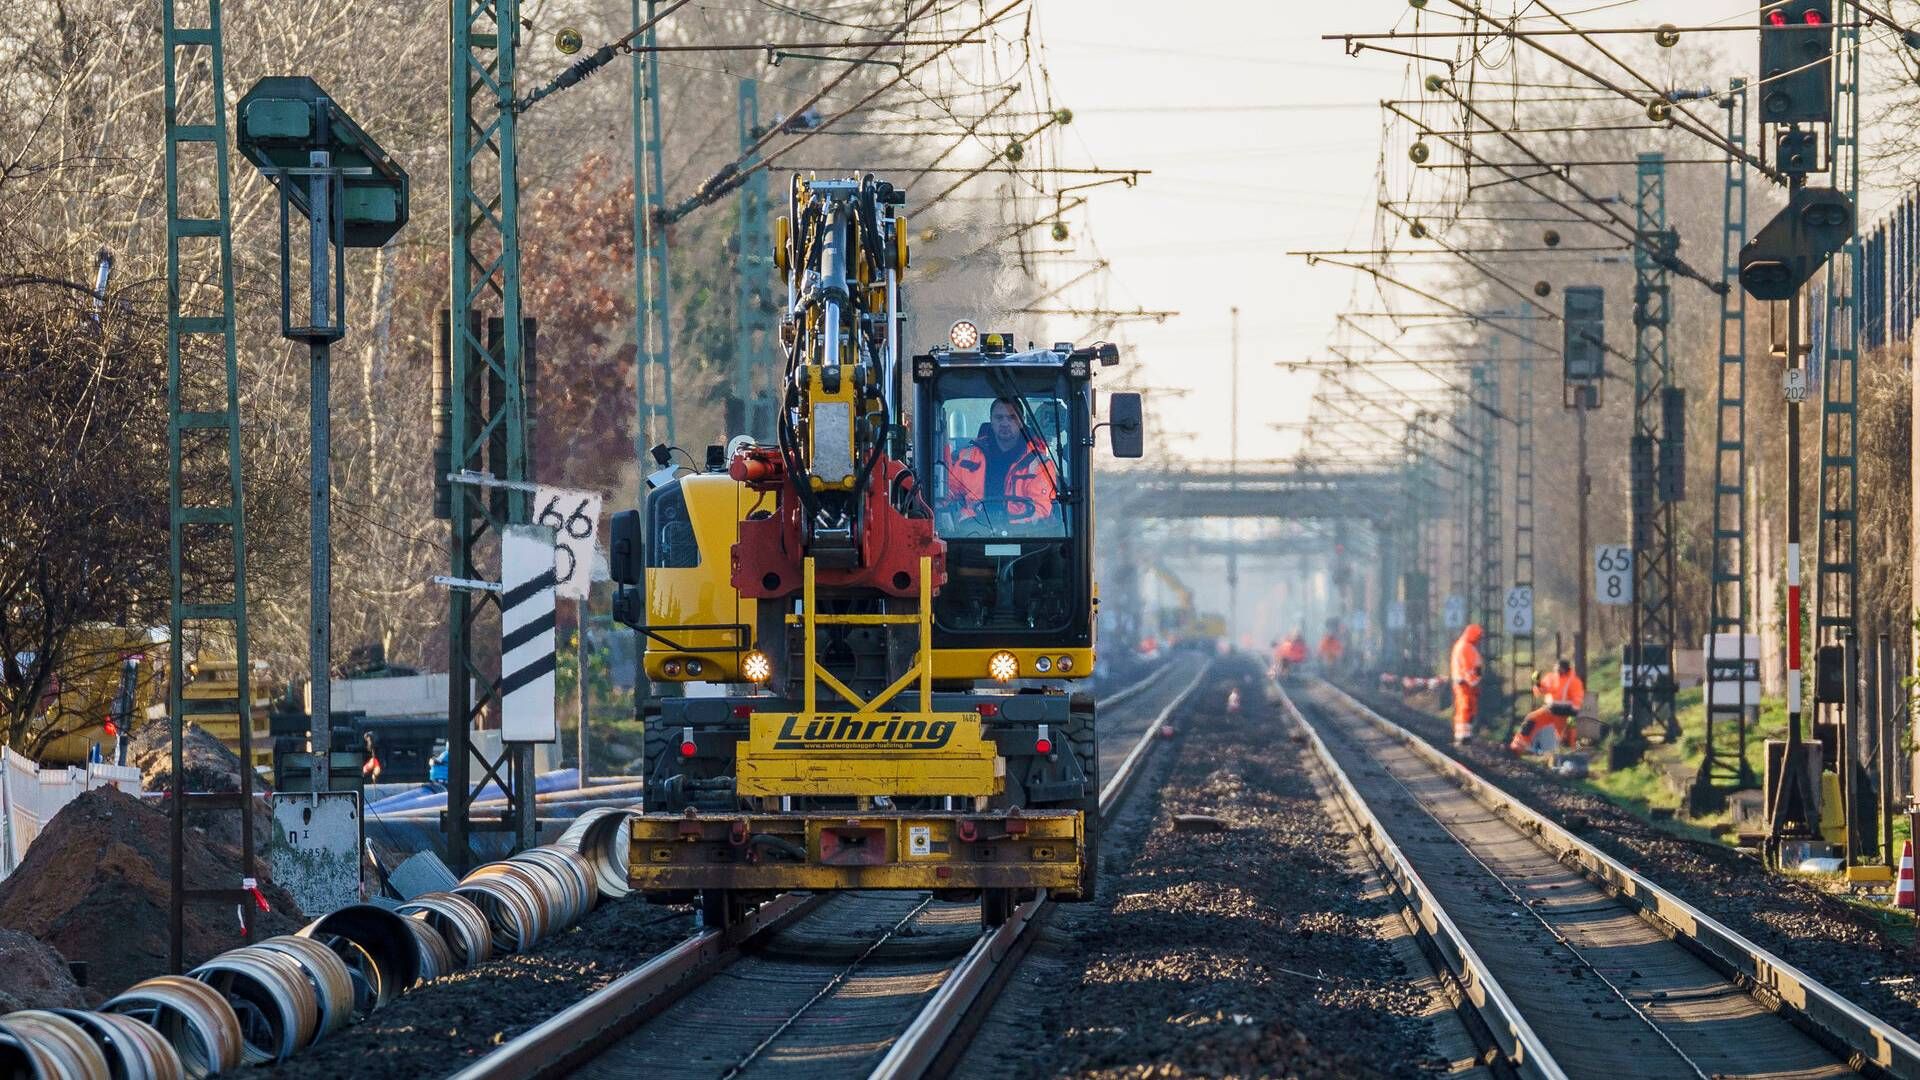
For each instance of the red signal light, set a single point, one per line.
(1814, 18)
(1777, 19)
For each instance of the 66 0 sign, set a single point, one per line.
(574, 517)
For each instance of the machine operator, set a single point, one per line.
(1005, 477)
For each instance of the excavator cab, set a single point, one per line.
(1006, 438)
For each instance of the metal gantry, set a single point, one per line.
(1491, 571)
(1521, 658)
(1723, 763)
(755, 333)
(487, 409)
(1656, 475)
(653, 354)
(206, 505)
(1835, 623)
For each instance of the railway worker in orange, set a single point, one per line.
(1293, 652)
(1466, 670)
(1550, 726)
(1005, 477)
(1330, 651)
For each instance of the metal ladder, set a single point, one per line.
(1492, 572)
(1723, 764)
(203, 431)
(1837, 562)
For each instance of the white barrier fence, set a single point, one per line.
(31, 795)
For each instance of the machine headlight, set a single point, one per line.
(1003, 666)
(694, 668)
(1043, 665)
(756, 666)
(963, 336)
(1065, 664)
(671, 669)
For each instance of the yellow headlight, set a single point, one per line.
(756, 666)
(1003, 666)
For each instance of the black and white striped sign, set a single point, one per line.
(526, 634)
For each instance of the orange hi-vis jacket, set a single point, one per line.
(1029, 477)
(1331, 649)
(1565, 689)
(1294, 650)
(1466, 661)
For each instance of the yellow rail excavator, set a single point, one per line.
(886, 606)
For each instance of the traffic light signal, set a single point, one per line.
(1584, 347)
(1796, 49)
(1796, 243)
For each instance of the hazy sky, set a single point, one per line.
(1262, 139)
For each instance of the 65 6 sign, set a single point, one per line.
(574, 517)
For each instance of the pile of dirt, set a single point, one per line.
(210, 766)
(94, 885)
(34, 976)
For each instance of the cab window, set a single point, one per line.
(1001, 443)
(671, 544)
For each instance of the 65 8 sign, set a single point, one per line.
(1613, 574)
(574, 517)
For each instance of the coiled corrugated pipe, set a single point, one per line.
(191, 1015)
(65, 1050)
(460, 923)
(379, 949)
(515, 899)
(328, 975)
(436, 959)
(134, 1051)
(575, 876)
(605, 836)
(269, 991)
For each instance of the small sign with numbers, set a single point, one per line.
(1520, 609)
(1613, 574)
(574, 517)
(1794, 383)
(1454, 613)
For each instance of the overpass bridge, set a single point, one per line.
(1274, 491)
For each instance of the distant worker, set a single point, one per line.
(370, 769)
(1550, 727)
(1293, 652)
(1465, 670)
(1330, 651)
(1005, 477)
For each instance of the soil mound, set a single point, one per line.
(34, 976)
(210, 766)
(94, 886)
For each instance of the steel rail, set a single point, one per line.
(969, 986)
(1856, 1035)
(1440, 935)
(581, 1031)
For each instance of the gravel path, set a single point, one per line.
(1817, 933)
(1250, 952)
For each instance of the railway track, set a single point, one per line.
(1567, 963)
(832, 985)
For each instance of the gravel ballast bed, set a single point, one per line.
(445, 1025)
(1822, 936)
(1249, 952)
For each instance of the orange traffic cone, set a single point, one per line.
(1903, 892)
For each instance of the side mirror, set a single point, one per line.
(1124, 427)
(626, 562)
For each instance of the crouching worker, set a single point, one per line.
(1550, 727)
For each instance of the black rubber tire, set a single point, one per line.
(995, 906)
(719, 908)
(1083, 736)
